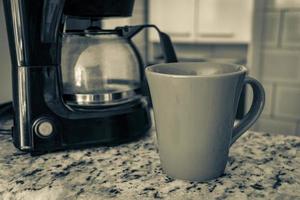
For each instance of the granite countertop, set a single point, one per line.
(261, 166)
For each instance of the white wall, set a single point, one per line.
(5, 75)
(280, 68)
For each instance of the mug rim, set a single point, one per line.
(242, 69)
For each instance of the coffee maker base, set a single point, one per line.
(108, 130)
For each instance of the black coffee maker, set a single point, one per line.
(76, 88)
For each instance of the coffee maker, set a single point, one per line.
(76, 88)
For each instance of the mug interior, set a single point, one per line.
(196, 69)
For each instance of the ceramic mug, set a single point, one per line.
(195, 105)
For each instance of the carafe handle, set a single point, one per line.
(165, 40)
(257, 106)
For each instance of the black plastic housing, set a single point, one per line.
(99, 8)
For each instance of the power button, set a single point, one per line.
(44, 127)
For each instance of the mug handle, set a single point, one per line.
(257, 106)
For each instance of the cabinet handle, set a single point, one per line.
(219, 35)
(178, 34)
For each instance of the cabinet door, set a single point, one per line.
(175, 17)
(224, 20)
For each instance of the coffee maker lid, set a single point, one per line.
(98, 8)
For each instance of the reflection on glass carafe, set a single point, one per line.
(99, 69)
(87, 78)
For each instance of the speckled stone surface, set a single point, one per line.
(261, 166)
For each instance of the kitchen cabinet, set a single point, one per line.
(207, 21)
(224, 20)
(112, 23)
(176, 17)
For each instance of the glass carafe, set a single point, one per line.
(99, 68)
